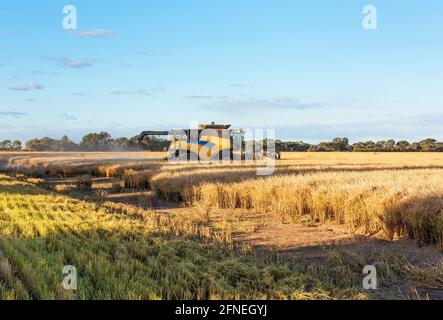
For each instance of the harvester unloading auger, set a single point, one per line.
(213, 142)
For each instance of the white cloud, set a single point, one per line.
(67, 116)
(97, 33)
(120, 92)
(198, 97)
(13, 114)
(27, 87)
(72, 63)
(142, 92)
(283, 103)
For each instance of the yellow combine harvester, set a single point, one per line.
(208, 143)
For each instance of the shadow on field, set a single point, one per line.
(18, 189)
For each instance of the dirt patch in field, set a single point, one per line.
(267, 234)
(287, 237)
(306, 240)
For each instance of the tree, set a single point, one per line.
(368, 146)
(390, 145)
(16, 145)
(154, 144)
(414, 147)
(65, 144)
(5, 145)
(337, 144)
(48, 144)
(402, 145)
(340, 144)
(428, 145)
(97, 141)
(358, 147)
(282, 146)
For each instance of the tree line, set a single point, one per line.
(104, 142)
(9, 145)
(91, 142)
(343, 145)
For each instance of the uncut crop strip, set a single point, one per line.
(170, 181)
(398, 202)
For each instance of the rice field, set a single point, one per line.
(172, 232)
(127, 253)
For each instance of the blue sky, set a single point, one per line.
(306, 68)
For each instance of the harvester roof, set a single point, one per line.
(214, 126)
